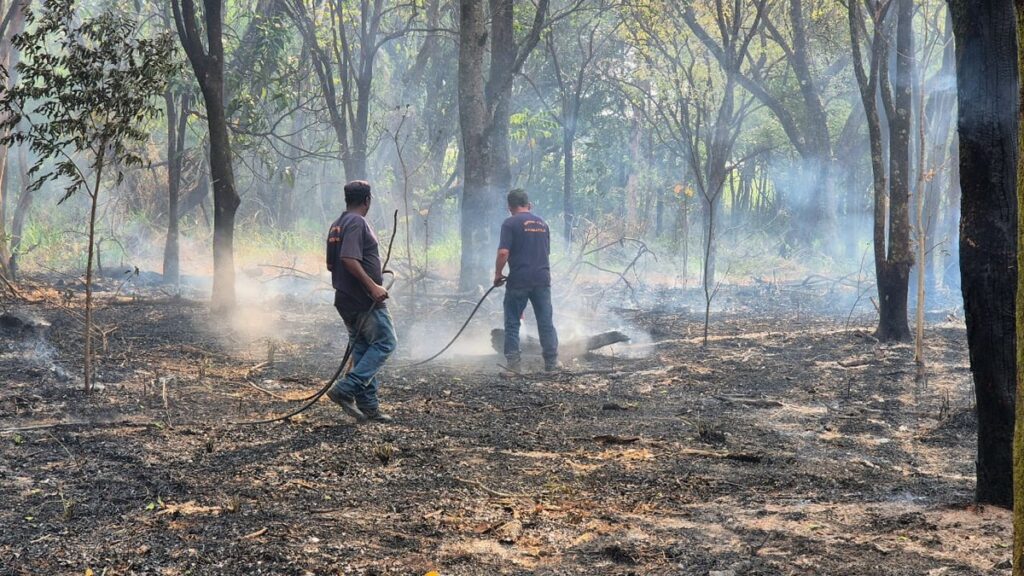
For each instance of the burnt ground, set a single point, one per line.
(791, 445)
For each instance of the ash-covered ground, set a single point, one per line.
(794, 443)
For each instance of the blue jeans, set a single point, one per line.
(372, 344)
(515, 304)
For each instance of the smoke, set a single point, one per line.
(23, 343)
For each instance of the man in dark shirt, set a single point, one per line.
(525, 246)
(354, 261)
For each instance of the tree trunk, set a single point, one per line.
(568, 153)
(818, 159)
(484, 112)
(356, 168)
(94, 199)
(987, 80)
(171, 271)
(709, 236)
(24, 203)
(5, 249)
(208, 64)
(177, 122)
(894, 273)
(9, 57)
(684, 230)
(499, 98)
(475, 226)
(194, 198)
(939, 114)
(225, 201)
(1018, 433)
(951, 255)
(286, 213)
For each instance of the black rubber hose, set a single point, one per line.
(311, 399)
(457, 334)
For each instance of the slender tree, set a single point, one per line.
(208, 64)
(11, 24)
(573, 70)
(86, 90)
(893, 254)
(176, 106)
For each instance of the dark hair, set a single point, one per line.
(518, 198)
(357, 192)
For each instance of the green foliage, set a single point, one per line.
(86, 88)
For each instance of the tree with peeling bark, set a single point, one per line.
(85, 91)
(208, 64)
(987, 85)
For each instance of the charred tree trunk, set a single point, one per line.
(894, 269)
(1018, 433)
(225, 199)
(171, 271)
(891, 230)
(987, 80)
(208, 65)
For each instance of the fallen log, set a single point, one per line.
(530, 346)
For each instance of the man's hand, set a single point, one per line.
(378, 293)
(499, 267)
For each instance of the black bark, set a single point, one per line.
(208, 64)
(893, 272)
(987, 79)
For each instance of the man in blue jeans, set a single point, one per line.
(525, 246)
(353, 257)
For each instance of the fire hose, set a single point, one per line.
(312, 399)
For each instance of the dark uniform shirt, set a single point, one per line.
(528, 240)
(352, 237)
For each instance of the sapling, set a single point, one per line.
(86, 89)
